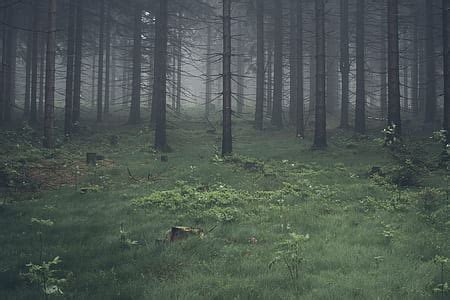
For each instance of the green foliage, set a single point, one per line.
(405, 174)
(290, 252)
(45, 275)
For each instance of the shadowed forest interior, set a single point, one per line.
(224, 149)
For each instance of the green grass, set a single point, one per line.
(345, 213)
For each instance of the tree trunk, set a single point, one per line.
(135, 110)
(28, 62)
(430, 101)
(240, 71)
(78, 64)
(446, 50)
(108, 60)
(70, 68)
(208, 82)
(260, 65)
(179, 68)
(34, 64)
(227, 139)
(159, 99)
(49, 138)
(101, 46)
(94, 66)
(320, 135)
(393, 68)
(293, 97)
(415, 63)
(10, 66)
(332, 57)
(300, 122)
(42, 68)
(3, 65)
(277, 109)
(360, 113)
(345, 64)
(269, 91)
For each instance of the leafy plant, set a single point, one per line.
(290, 253)
(442, 287)
(46, 276)
(125, 240)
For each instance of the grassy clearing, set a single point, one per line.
(368, 239)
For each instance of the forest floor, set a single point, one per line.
(275, 221)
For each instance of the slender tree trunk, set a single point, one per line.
(3, 68)
(179, 68)
(93, 76)
(260, 65)
(300, 122)
(227, 139)
(430, 101)
(49, 138)
(345, 64)
(393, 72)
(277, 109)
(415, 63)
(240, 70)
(360, 113)
(293, 97)
(42, 69)
(446, 50)
(70, 69)
(208, 82)
(135, 110)
(383, 70)
(101, 46)
(28, 62)
(159, 98)
(34, 64)
(10, 67)
(332, 84)
(173, 72)
(78, 64)
(108, 60)
(269, 91)
(320, 135)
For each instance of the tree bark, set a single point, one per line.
(135, 110)
(70, 69)
(360, 113)
(446, 50)
(430, 101)
(208, 82)
(227, 139)
(240, 71)
(49, 138)
(260, 65)
(101, 46)
(269, 91)
(28, 62)
(10, 66)
(78, 63)
(108, 60)
(300, 122)
(393, 68)
(34, 64)
(415, 63)
(42, 68)
(159, 99)
(344, 64)
(293, 97)
(277, 109)
(179, 67)
(320, 134)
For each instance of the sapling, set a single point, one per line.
(442, 287)
(290, 253)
